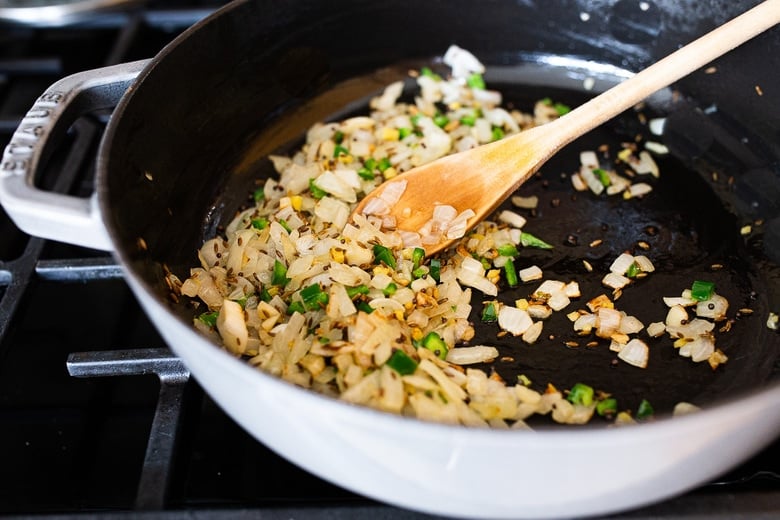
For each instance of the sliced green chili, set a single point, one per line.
(370, 163)
(364, 306)
(607, 407)
(366, 174)
(419, 272)
(603, 176)
(645, 410)
(468, 120)
(476, 81)
(296, 306)
(315, 190)
(581, 394)
(339, 151)
(338, 137)
(314, 297)
(279, 276)
(260, 223)
(285, 225)
(561, 108)
(258, 195)
(633, 270)
(435, 269)
(209, 318)
(384, 255)
(497, 133)
(441, 120)
(486, 264)
(265, 295)
(528, 240)
(511, 273)
(402, 363)
(489, 313)
(404, 132)
(701, 290)
(433, 342)
(426, 71)
(354, 292)
(383, 164)
(390, 289)
(507, 250)
(418, 255)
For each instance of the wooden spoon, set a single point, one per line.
(481, 178)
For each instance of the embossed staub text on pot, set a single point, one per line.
(32, 127)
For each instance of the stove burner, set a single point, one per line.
(156, 470)
(55, 13)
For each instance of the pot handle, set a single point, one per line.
(56, 216)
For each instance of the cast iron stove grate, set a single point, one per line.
(97, 418)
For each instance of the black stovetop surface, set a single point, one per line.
(77, 446)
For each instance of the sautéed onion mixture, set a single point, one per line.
(354, 310)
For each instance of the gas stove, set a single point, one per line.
(97, 417)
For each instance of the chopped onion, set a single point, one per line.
(533, 332)
(684, 408)
(539, 312)
(525, 202)
(593, 182)
(558, 300)
(622, 263)
(513, 320)
(607, 322)
(656, 329)
(578, 182)
(589, 159)
(640, 189)
(585, 323)
(680, 300)
(645, 164)
(615, 281)
(471, 355)
(635, 353)
(462, 62)
(388, 98)
(715, 307)
(572, 290)
(530, 273)
(630, 325)
(676, 316)
(512, 218)
(232, 327)
(549, 287)
(393, 192)
(457, 228)
(656, 147)
(644, 263)
(702, 348)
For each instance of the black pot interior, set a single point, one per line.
(185, 149)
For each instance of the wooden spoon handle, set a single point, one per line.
(668, 70)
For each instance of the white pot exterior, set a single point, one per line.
(475, 473)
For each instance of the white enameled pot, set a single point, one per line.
(448, 470)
